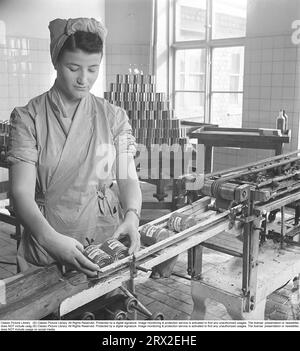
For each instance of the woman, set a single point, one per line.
(65, 146)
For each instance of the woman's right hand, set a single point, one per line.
(69, 251)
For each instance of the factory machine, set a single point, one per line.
(250, 213)
(263, 203)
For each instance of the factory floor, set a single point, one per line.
(170, 296)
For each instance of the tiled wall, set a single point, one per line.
(122, 57)
(272, 72)
(25, 71)
(271, 83)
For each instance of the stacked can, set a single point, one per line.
(98, 256)
(151, 234)
(152, 120)
(115, 249)
(179, 222)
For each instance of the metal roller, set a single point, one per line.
(226, 191)
(117, 314)
(131, 304)
(88, 316)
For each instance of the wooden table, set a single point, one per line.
(259, 138)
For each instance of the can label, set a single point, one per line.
(150, 231)
(113, 244)
(175, 223)
(115, 248)
(151, 234)
(94, 254)
(98, 256)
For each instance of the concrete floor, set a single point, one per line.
(171, 296)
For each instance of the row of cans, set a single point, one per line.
(148, 142)
(159, 133)
(135, 78)
(151, 115)
(155, 123)
(121, 96)
(142, 105)
(106, 253)
(177, 222)
(132, 88)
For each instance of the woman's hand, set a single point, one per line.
(130, 227)
(69, 251)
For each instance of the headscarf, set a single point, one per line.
(61, 29)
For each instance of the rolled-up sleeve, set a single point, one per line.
(124, 141)
(22, 138)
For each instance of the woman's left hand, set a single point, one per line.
(130, 227)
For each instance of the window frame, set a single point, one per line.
(207, 44)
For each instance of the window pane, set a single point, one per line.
(226, 109)
(229, 18)
(190, 20)
(228, 69)
(189, 105)
(190, 70)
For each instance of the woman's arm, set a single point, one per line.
(62, 248)
(130, 197)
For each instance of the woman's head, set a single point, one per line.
(76, 51)
(88, 42)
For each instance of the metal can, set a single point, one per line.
(98, 256)
(114, 248)
(180, 222)
(151, 234)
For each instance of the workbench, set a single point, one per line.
(250, 138)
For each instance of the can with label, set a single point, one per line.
(114, 248)
(98, 256)
(179, 222)
(151, 234)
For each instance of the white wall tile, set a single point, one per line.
(277, 67)
(290, 54)
(278, 54)
(289, 67)
(267, 55)
(277, 80)
(289, 80)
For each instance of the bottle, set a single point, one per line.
(286, 121)
(280, 122)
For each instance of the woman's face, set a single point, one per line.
(77, 72)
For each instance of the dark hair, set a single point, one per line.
(85, 41)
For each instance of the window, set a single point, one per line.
(208, 52)
(190, 20)
(190, 82)
(227, 86)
